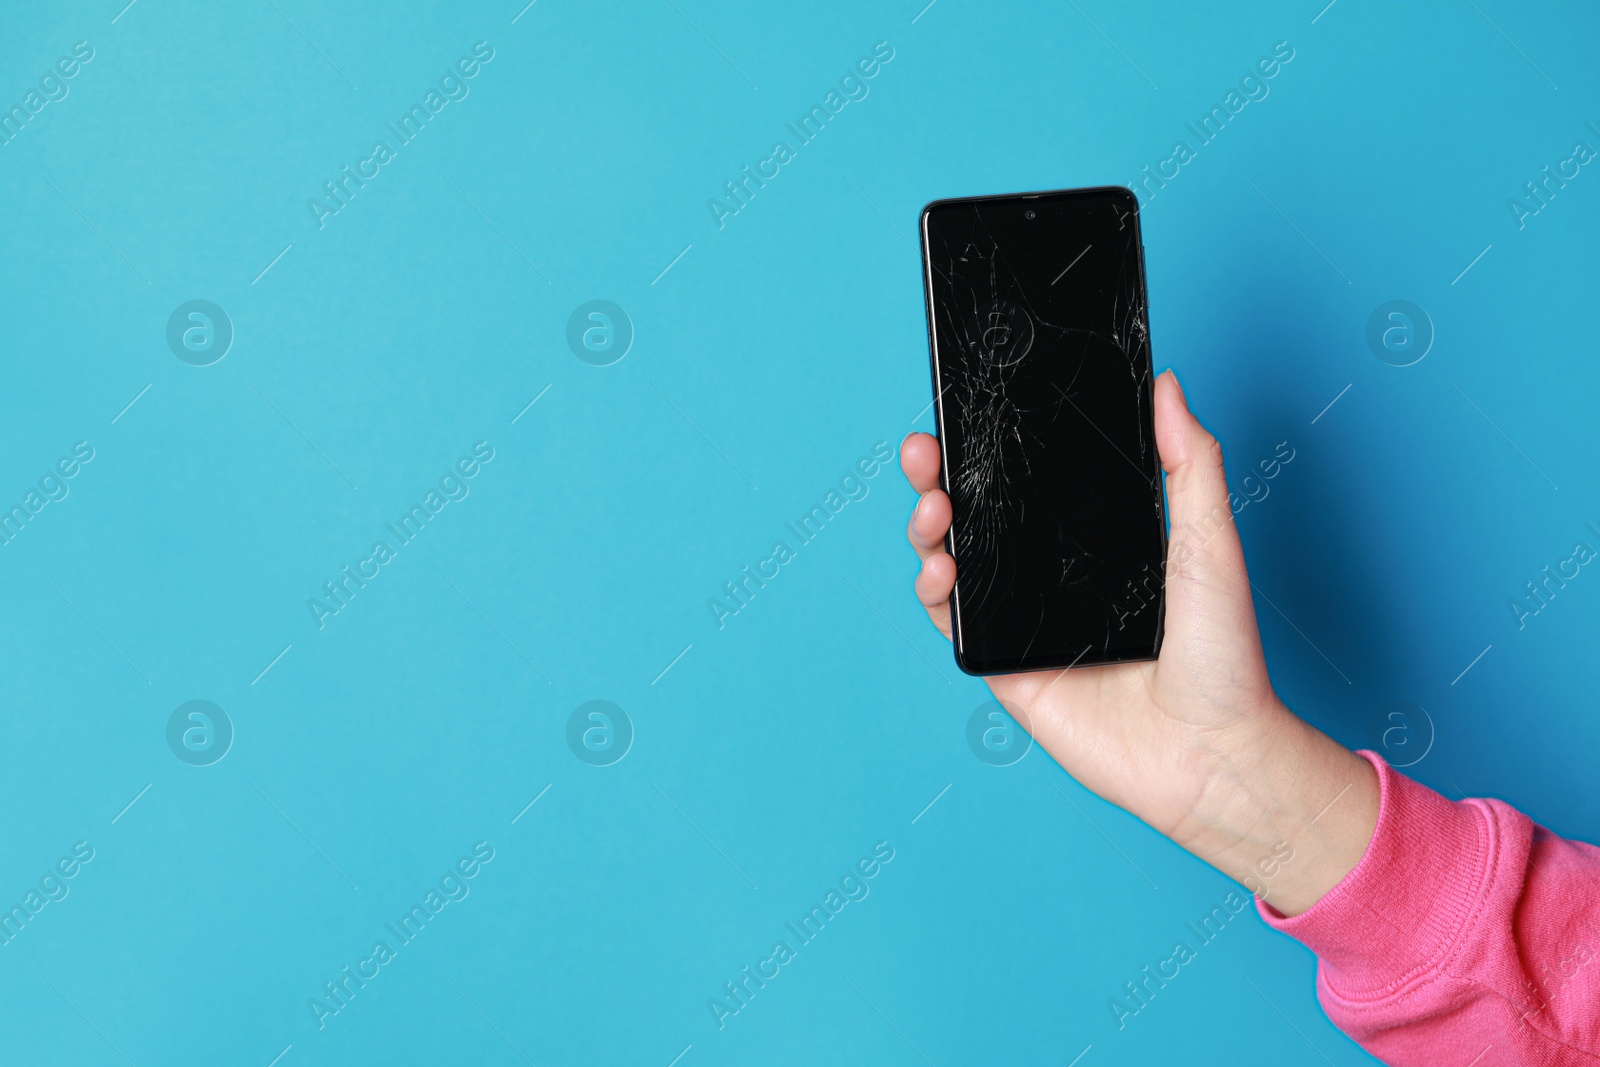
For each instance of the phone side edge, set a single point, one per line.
(957, 642)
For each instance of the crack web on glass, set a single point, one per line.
(995, 329)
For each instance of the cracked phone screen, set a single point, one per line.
(1042, 375)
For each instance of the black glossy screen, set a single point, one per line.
(1041, 363)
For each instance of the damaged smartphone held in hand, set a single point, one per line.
(1040, 345)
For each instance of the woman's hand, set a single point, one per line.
(1196, 743)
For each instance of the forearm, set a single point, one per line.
(1287, 811)
(1463, 927)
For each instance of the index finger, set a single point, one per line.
(919, 459)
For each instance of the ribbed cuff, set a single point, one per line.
(1395, 917)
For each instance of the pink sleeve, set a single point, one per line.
(1466, 935)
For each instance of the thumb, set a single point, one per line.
(1212, 643)
(1204, 543)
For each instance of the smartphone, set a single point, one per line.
(1039, 341)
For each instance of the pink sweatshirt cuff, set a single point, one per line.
(1375, 933)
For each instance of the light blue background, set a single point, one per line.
(822, 718)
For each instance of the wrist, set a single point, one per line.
(1285, 810)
